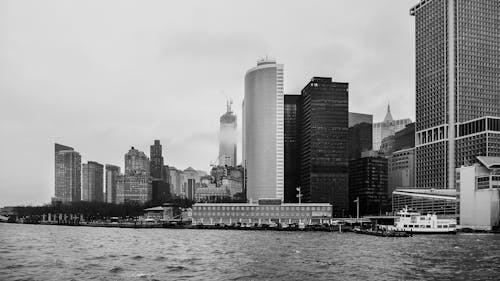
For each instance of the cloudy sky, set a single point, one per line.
(102, 76)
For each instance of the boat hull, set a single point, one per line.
(424, 230)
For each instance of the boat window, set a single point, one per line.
(428, 226)
(405, 225)
(440, 226)
(452, 225)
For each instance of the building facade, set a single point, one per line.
(405, 138)
(323, 114)
(263, 129)
(136, 162)
(156, 161)
(92, 182)
(67, 174)
(291, 143)
(227, 138)
(360, 134)
(401, 170)
(386, 128)
(112, 174)
(456, 52)
(368, 184)
(136, 183)
(442, 202)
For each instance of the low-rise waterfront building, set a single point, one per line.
(442, 202)
(266, 211)
(479, 186)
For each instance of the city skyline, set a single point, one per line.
(372, 54)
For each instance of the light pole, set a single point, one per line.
(357, 207)
(299, 195)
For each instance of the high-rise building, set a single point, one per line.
(405, 138)
(401, 170)
(291, 142)
(227, 138)
(324, 119)
(175, 181)
(135, 184)
(360, 134)
(67, 174)
(92, 182)
(136, 162)
(368, 183)
(263, 131)
(457, 87)
(386, 128)
(112, 173)
(156, 160)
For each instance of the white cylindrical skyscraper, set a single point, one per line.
(263, 130)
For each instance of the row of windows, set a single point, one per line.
(259, 208)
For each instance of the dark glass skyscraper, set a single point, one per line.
(292, 175)
(360, 134)
(457, 86)
(323, 115)
(156, 158)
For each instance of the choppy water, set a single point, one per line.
(38, 252)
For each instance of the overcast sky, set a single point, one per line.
(102, 76)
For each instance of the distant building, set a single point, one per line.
(135, 184)
(324, 119)
(92, 182)
(291, 143)
(387, 146)
(456, 52)
(136, 162)
(442, 202)
(401, 170)
(112, 174)
(405, 138)
(227, 138)
(263, 212)
(263, 130)
(360, 134)
(386, 128)
(176, 181)
(368, 182)
(67, 173)
(160, 191)
(156, 160)
(479, 187)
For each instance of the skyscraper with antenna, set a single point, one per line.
(227, 139)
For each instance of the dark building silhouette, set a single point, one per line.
(161, 191)
(292, 175)
(368, 181)
(156, 160)
(323, 115)
(360, 139)
(405, 138)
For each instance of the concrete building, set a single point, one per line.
(263, 129)
(135, 184)
(360, 134)
(156, 161)
(457, 50)
(479, 186)
(136, 162)
(358, 118)
(401, 170)
(92, 182)
(368, 183)
(112, 174)
(67, 174)
(405, 138)
(266, 211)
(386, 128)
(442, 202)
(227, 138)
(176, 180)
(324, 119)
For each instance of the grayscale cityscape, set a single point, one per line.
(238, 140)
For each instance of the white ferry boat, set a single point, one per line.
(414, 222)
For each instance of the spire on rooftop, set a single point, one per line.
(388, 115)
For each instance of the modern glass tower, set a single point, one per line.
(227, 138)
(112, 173)
(67, 174)
(263, 130)
(92, 182)
(457, 87)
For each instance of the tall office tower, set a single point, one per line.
(227, 141)
(156, 164)
(386, 128)
(112, 173)
(67, 173)
(457, 87)
(92, 182)
(136, 162)
(291, 143)
(401, 171)
(360, 134)
(263, 131)
(368, 183)
(324, 119)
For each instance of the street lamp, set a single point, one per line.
(357, 207)
(299, 195)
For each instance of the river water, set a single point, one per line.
(42, 252)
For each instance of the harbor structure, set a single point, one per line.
(386, 128)
(457, 87)
(323, 117)
(227, 138)
(67, 174)
(112, 174)
(92, 182)
(479, 186)
(265, 211)
(263, 129)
